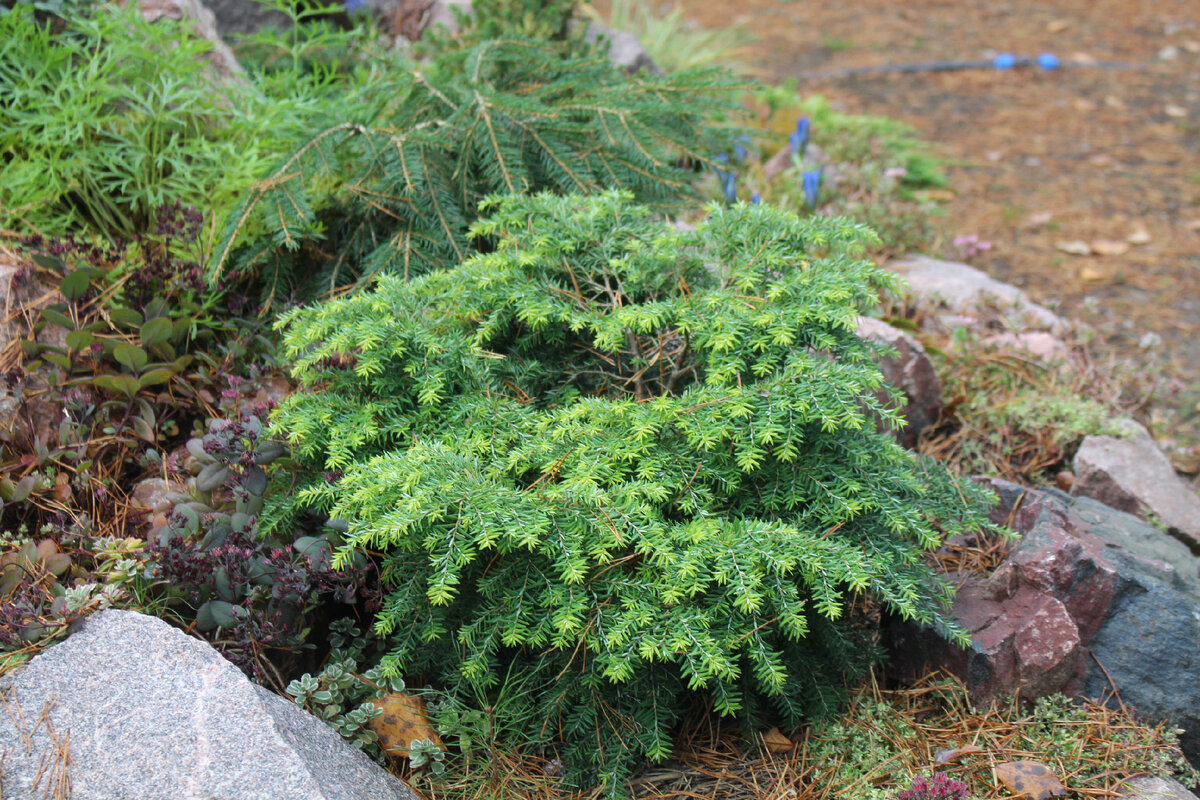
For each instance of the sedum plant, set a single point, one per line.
(342, 697)
(624, 464)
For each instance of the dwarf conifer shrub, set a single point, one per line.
(393, 184)
(634, 463)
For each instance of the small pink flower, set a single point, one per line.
(971, 245)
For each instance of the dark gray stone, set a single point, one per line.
(1146, 646)
(142, 710)
(246, 17)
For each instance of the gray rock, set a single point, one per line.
(1132, 474)
(246, 17)
(130, 707)
(1148, 787)
(204, 24)
(954, 294)
(624, 49)
(445, 14)
(1146, 646)
(910, 371)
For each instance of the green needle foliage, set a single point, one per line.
(392, 186)
(632, 462)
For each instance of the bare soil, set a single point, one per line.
(1038, 158)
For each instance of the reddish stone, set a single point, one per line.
(911, 371)
(1030, 619)
(1047, 649)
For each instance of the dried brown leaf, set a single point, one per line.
(1076, 247)
(1029, 779)
(1139, 236)
(776, 742)
(404, 719)
(1110, 247)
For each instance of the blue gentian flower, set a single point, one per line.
(1048, 61)
(729, 186)
(1004, 61)
(799, 137)
(812, 187)
(354, 6)
(740, 151)
(726, 179)
(756, 198)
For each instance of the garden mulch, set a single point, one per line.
(1038, 159)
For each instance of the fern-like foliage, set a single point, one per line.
(104, 117)
(395, 186)
(634, 462)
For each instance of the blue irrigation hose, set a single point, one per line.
(1004, 61)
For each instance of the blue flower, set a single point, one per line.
(1005, 61)
(726, 179)
(799, 137)
(740, 151)
(354, 6)
(1048, 61)
(729, 187)
(756, 198)
(812, 187)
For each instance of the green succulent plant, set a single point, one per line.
(340, 695)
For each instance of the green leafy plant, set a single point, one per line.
(250, 592)
(426, 753)
(122, 350)
(632, 462)
(395, 187)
